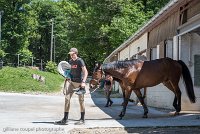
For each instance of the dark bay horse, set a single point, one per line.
(133, 75)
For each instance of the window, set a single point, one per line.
(169, 49)
(153, 53)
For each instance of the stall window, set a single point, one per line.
(169, 48)
(153, 54)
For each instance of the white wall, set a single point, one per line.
(124, 54)
(190, 46)
(169, 49)
(160, 96)
(154, 54)
(140, 43)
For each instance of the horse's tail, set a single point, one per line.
(188, 81)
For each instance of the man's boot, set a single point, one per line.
(64, 120)
(107, 103)
(111, 102)
(82, 120)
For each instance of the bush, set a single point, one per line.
(51, 67)
(2, 54)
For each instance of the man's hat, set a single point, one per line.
(73, 50)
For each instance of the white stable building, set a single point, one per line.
(173, 32)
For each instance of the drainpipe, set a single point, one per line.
(189, 57)
(175, 48)
(179, 45)
(129, 52)
(158, 52)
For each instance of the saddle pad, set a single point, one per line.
(64, 69)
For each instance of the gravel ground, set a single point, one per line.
(120, 130)
(156, 130)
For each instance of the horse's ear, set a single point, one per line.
(98, 65)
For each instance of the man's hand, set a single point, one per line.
(65, 86)
(64, 91)
(82, 84)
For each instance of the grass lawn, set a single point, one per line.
(20, 80)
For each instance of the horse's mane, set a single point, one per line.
(119, 64)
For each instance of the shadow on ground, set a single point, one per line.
(133, 117)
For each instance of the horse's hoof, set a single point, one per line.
(119, 118)
(176, 113)
(144, 116)
(121, 115)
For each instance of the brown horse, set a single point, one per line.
(133, 75)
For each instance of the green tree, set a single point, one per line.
(16, 28)
(96, 28)
(61, 13)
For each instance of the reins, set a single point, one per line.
(70, 82)
(97, 81)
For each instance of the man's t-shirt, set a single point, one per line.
(76, 69)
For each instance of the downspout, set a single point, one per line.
(129, 51)
(179, 45)
(189, 57)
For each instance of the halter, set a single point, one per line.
(97, 80)
(102, 76)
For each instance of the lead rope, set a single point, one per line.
(75, 88)
(93, 90)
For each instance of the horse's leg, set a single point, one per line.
(130, 100)
(141, 99)
(145, 92)
(170, 87)
(90, 84)
(177, 97)
(127, 94)
(123, 92)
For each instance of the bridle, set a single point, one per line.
(102, 75)
(100, 70)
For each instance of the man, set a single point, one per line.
(79, 75)
(108, 83)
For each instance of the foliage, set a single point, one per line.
(51, 67)
(16, 26)
(2, 54)
(26, 56)
(20, 80)
(95, 27)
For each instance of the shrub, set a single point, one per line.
(2, 54)
(51, 67)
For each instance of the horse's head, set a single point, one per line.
(96, 76)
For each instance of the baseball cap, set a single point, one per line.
(73, 50)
